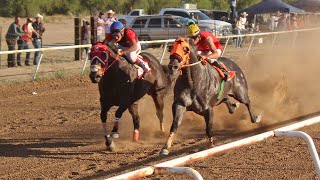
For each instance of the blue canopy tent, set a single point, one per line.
(271, 6)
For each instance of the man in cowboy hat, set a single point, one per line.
(243, 20)
(37, 36)
(108, 21)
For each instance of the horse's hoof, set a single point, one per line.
(135, 136)
(164, 152)
(111, 147)
(114, 135)
(257, 119)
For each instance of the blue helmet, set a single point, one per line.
(116, 27)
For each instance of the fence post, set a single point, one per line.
(294, 39)
(77, 38)
(93, 23)
(250, 46)
(274, 40)
(225, 47)
(85, 62)
(38, 66)
(163, 52)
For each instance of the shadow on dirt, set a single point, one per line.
(34, 148)
(196, 148)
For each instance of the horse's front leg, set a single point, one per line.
(177, 111)
(208, 117)
(118, 114)
(103, 116)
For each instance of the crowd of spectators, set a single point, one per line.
(20, 36)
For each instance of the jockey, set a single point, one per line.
(208, 46)
(129, 45)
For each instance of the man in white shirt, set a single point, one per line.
(243, 20)
(100, 24)
(108, 21)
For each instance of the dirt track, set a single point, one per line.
(56, 133)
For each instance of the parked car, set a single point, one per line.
(158, 27)
(217, 27)
(132, 15)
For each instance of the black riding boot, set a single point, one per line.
(145, 69)
(225, 72)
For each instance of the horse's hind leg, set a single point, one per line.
(133, 110)
(232, 107)
(242, 97)
(159, 103)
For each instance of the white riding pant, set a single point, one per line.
(132, 56)
(207, 53)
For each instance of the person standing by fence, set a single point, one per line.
(85, 35)
(12, 35)
(23, 41)
(37, 37)
(100, 24)
(108, 21)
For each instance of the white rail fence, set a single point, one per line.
(168, 166)
(164, 43)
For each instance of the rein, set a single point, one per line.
(192, 64)
(115, 60)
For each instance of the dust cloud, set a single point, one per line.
(283, 84)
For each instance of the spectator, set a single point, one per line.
(187, 21)
(238, 31)
(100, 24)
(196, 20)
(243, 20)
(282, 22)
(12, 35)
(85, 35)
(37, 36)
(108, 21)
(294, 22)
(272, 22)
(23, 41)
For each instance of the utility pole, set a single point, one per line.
(233, 5)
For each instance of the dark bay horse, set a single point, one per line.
(199, 88)
(119, 86)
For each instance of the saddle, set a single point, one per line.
(222, 75)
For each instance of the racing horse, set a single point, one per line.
(119, 85)
(199, 87)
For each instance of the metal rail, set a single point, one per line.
(147, 171)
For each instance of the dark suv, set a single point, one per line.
(217, 14)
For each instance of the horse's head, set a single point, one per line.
(101, 58)
(179, 56)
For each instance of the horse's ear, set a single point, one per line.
(186, 50)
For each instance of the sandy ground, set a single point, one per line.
(56, 133)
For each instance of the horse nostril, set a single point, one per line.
(175, 67)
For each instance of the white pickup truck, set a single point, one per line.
(219, 28)
(131, 15)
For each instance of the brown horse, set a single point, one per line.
(199, 88)
(119, 85)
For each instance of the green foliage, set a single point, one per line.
(92, 7)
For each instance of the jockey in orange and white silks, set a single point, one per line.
(128, 43)
(208, 46)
